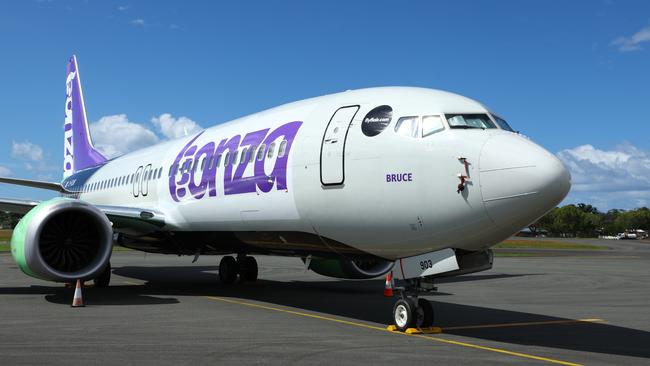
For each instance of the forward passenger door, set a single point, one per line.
(332, 157)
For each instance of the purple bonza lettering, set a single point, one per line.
(279, 174)
(186, 181)
(239, 183)
(175, 191)
(199, 190)
(230, 146)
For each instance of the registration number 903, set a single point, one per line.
(426, 264)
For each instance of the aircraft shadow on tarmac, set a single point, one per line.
(360, 300)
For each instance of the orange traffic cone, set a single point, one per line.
(388, 288)
(77, 301)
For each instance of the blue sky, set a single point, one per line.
(572, 75)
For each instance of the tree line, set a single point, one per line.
(584, 220)
(9, 220)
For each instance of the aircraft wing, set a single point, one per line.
(17, 206)
(120, 216)
(34, 184)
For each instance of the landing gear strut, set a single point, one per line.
(244, 266)
(409, 310)
(104, 278)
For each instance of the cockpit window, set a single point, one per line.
(503, 124)
(408, 126)
(469, 121)
(431, 125)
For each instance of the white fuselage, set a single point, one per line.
(398, 196)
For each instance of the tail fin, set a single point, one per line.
(78, 150)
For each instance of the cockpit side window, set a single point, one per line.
(408, 126)
(431, 125)
(470, 121)
(502, 123)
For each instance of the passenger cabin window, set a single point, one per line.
(283, 148)
(271, 150)
(431, 125)
(408, 126)
(243, 156)
(469, 121)
(261, 152)
(251, 153)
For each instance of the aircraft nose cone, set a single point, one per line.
(520, 181)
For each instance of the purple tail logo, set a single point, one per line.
(197, 181)
(78, 151)
(68, 149)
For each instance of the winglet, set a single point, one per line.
(78, 151)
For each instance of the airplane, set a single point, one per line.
(412, 181)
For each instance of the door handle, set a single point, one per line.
(332, 141)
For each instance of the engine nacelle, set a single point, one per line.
(350, 268)
(63, 240)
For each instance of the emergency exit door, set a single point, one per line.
(332, 153)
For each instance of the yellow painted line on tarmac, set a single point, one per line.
(383, 329)
(295, 313)
(497, 350)
(525, 324)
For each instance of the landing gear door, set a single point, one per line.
(428, 264)
(332, 157)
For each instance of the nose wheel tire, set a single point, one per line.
(228, 270)
(248, 269)
(404, 314)
(424, 318)
(104, 278)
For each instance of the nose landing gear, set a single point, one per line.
(410, 311)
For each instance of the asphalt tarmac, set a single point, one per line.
(560, 308)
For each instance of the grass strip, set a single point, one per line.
(544, 244)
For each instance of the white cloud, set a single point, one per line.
(26, 150)
(618, 178)
(632, 43)
(122, 7)
(116, 135)
(173, 128)
(137, 22)
(4, 172)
